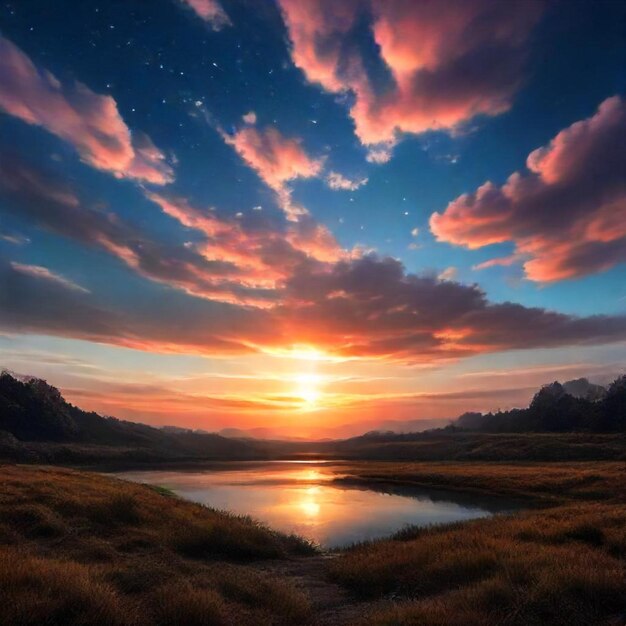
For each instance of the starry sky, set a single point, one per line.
(308, 217)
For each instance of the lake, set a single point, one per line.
(300, 497)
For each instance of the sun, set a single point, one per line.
(307, 388)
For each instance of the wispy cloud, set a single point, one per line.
(38, 271)
(338, 181)
(88, 121)
(278, 160)
(243, 260)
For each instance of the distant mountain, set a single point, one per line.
(343, 431)
(249, 433)
(33, 411)
(582, 388)
(373, 428)
(417, 425)
(37, 424)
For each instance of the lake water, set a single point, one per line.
(301, 497)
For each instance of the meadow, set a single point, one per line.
(79, 548)
(83, 548)
(562, 561)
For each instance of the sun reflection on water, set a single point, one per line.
(309, 504)
(306, 500)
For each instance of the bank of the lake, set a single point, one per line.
(86, 548)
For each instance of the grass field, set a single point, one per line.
(539, 484)
(79, 548)
(563, 561)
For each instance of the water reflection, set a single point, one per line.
(301, 498)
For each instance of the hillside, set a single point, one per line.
(574, 406)
(38, 425)
(35, 412)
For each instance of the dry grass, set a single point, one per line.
(79, 548)
(546, 483)
(565, 564)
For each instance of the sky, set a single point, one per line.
(305, 218)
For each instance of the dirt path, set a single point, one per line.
(332, 604)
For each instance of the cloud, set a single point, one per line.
(372, 307)
(38, 304)
(249, 118)
(359, 308)
(261, 283)
(180, 324)
(337, 181)
(38, 271)
(566, 214)
(278, 160)
(241, 260)
(445, 62)
(449, 273)
(256, 243)
(14, 238)
(50, 204)
(211, 12)
(89, 122)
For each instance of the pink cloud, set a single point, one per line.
(367, 308)
(338, 181)
(566, 214)
(52, 205)
(278, 160)
(90, 122)
(262, 283)
(211, 12)
(265, 250)
(242, 259)
(448, 61)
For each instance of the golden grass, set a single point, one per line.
(562, 564)
(79, 548)
(547, 482)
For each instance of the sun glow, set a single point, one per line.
(307, 388)
(303, 352)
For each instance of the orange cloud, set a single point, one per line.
(87, 121)
(52, 205)
(566, 215)
(447, 61)
(243, 259)
(365, 308)
(260, 246)
(278, 160)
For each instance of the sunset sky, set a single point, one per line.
(311, 216)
